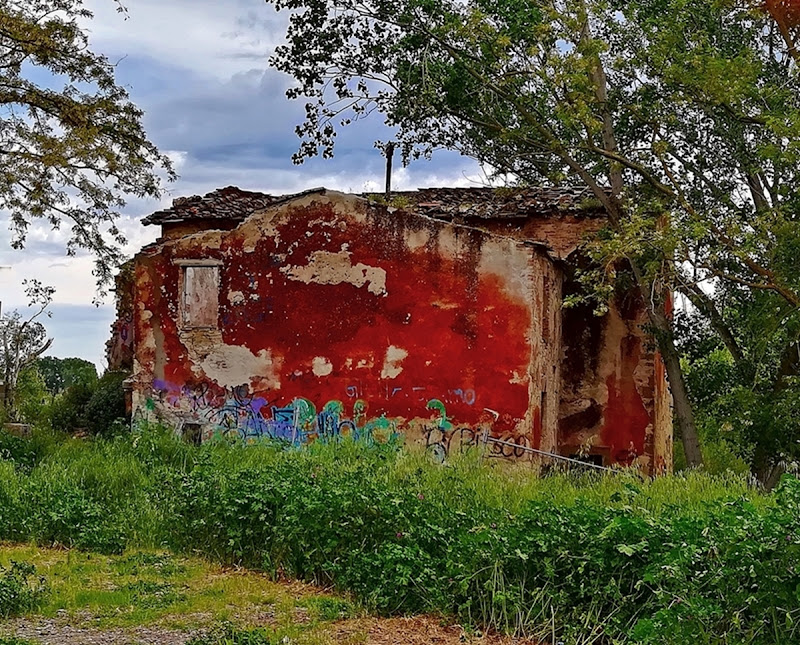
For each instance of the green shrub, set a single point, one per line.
(583, 557)
(20, 452)
(106, 405)
(20, 589)
(594, 557)
(97, 406)
(68, 412)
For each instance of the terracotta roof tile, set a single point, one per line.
(233, 203)
(496, 203)
(224, 203)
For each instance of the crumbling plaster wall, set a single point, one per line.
(339, 317)
(615, 402)
(178, 229)
(119, 347)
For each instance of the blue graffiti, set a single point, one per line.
(242, 415)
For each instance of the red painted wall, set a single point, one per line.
(316, 294)
(463, 332)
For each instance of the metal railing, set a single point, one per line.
(585, 464)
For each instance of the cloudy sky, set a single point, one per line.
(199, 69)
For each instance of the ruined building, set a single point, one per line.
(436, 316)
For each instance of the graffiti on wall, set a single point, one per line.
(236, 412)
(443, 438)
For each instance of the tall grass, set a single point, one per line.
(589, 558)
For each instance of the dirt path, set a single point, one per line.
(417, 630)
(56, 632)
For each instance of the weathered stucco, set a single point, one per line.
(337, 316)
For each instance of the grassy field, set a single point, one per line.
(576, 558)
(146, 587)
(183, 599)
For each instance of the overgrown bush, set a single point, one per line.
(21, 589)
(98, 407)
(588, 558)
(69, 409)
(633, 565)
(14, 449)
(106, 405)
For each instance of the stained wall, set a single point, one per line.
(615, 403)
(339, 317)
(336, 316)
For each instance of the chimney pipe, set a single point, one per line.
(388, 150)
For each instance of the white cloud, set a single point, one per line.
(210, 37)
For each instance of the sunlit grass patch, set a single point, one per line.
(146, 588)
(13, 640)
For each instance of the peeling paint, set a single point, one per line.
(321, 366)
(232, 365)
(391, 364)
(325, 267)
(336, 318)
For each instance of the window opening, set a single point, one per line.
(200, 295)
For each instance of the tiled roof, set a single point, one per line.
(233, 203)
(497, 203)
(224, 203)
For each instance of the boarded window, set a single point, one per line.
(200, 306)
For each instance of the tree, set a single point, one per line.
(31, 397)
(23, 340)
(682, 118)
(746, 388)
(68, 154)
(62, 373)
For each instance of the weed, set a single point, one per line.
(147, 594)
(20, 589)
(15, 640)
(229, 634)
(17, 451)
(329, 608)
(162, 564)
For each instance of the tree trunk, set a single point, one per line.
(8, 397)
(681, 405)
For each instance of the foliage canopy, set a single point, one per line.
(72, 146)
(62, 373)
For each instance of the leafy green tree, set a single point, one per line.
(31, 396)
(62, 373)
(68, 409)
(747, 396)
(22, 341)
(682, 117)
(72, 147)
(107, 404)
